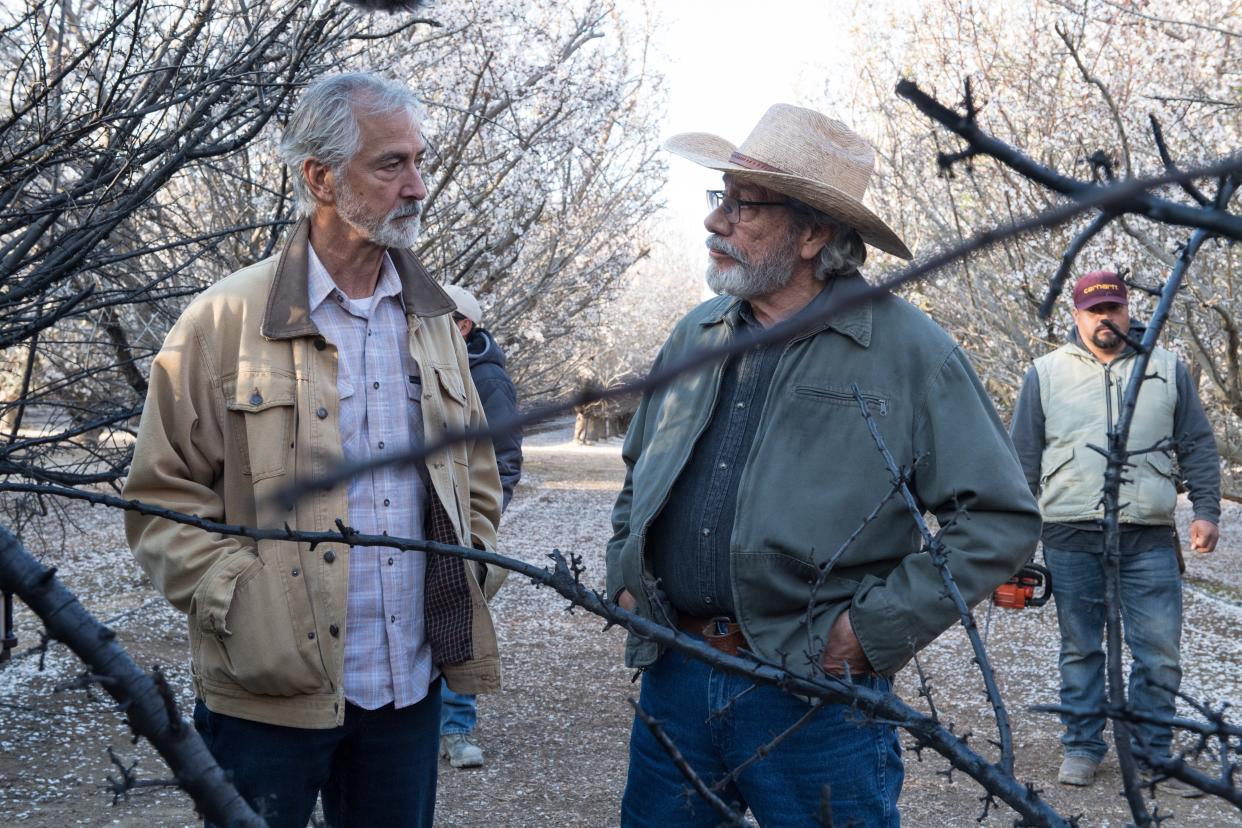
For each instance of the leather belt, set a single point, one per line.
(720, 632)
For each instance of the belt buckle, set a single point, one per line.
(719, 625)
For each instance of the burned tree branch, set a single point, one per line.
(563, 579)
(726, 811)
(146, 708)
(1119, 197)
(934, 547)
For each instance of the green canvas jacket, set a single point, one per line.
(814, 474)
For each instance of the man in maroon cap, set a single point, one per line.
(1070, 400)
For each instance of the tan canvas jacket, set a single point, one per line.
(242, 400)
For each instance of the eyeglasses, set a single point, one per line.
(717, 200)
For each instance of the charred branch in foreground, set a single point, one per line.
(1122, 197)
(565, 578)
(145, 704)
(1143, 203)
(1224, 785)
(1208, 215)
(129, 781)
(1118, 459)
(933, 545)
(728, 813)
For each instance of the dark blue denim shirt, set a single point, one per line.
(689, 539)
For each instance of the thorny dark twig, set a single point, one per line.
(1129, 196)
(729, 814)
(934, 547)
(129, 781)
(765, 749)
(880, 705)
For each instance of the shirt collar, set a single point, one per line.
(320, 285)
(853, 322)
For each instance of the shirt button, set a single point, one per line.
(387, 502)
(375, 385)
(741, 405)
(707, 599)
(322, 413)
(724, 465)
(706, 532)
(392, 618)
(390, 561)
(295, 573)
(381, 443)
(256, 398)
(329, 556)
(311, 635)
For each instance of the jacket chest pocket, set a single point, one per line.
(877, 404)
(262, 407)
(452, 397)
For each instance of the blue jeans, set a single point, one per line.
(1151, 614)
(718, 721)
(379, 768)
(458, 712)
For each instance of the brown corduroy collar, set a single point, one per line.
(287, 314)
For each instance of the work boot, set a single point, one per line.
(460, 751)
(1078, 770)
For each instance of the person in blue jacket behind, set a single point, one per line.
(459, 713)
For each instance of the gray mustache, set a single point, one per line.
(410, 210)
(721, 246)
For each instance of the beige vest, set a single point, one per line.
(1081, 399)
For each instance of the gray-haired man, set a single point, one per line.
(318, 669)
(746, 477)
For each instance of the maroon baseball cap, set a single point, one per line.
(1098, 287)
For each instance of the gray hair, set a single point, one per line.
(844, 254)
(324, 124)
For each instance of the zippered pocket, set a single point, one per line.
(875, 403)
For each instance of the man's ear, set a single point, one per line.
(319, 180)
(813, 239)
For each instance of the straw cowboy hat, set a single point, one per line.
(802, 154)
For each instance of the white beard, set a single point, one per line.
(396, 229)
(747, 280)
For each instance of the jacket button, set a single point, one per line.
(256, 398)
(320, 344)
(329, 556)
(296, 572)
(334, 630)
(311, 635)
(322, 413)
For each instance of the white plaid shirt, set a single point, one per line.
(387, 657)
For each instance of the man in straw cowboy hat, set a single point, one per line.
(748, 478)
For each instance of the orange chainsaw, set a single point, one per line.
(1030, 587)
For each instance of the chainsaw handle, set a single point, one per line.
(1044, 579)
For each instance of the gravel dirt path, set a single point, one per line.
(556, 737)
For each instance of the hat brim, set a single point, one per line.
(713, 152)
(1111, 298)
